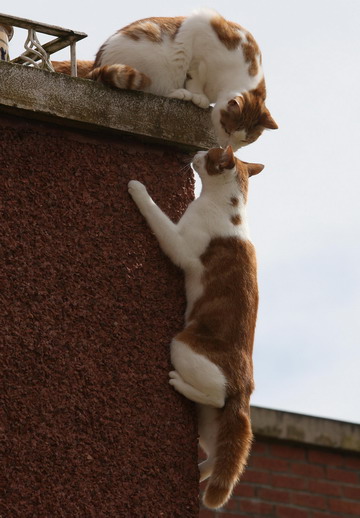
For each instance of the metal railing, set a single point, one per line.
(37, 54)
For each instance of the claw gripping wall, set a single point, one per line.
(89, 307)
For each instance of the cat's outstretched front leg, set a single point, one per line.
(164, 229)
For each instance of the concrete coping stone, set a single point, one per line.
(79, 102)
(306, 429)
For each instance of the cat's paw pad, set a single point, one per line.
(200, 100)
(135, 187)
(182, 94)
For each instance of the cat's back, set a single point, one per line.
(222, 319)
(147, 46)
(229, 279)
(229, 51)
(141, 35)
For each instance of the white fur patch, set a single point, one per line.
(199, 372)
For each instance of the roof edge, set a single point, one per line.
(72, 101)
(317, 431)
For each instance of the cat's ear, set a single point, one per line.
(235, 105)
(254, 169)
(267, 121)
(227, 160)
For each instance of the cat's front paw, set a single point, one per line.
(138, 193)
(182, 94)
(135, 186)
(201, 100)
(136, 189)
(185, 95)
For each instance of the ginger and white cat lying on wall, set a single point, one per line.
(201, 58)
(212, 355)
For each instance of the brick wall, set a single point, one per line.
(285, 480)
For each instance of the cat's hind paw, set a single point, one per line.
(175, 379)
(174, 375)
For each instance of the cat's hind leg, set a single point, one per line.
(208, 427)
(196, 377)
(190, 392)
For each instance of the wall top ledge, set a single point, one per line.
(306, 429)
(77, 102)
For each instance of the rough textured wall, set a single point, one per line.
(89, 306)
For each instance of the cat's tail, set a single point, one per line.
(64, 67)
(232, 450)
(120, 76)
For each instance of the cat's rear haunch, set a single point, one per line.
(201, 58)
(212, 355)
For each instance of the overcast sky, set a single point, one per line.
(303, 208)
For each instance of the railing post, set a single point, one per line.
(73, 59)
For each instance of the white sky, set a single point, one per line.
(303, 208)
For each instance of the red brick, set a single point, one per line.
(245, 490)
(256, 476)
(319, 514)
(259, 448)
(207, 513)
(291, 512)
(256, 507)
(270, 463)
(287, 452)
(231, 505)
(274, 495)
(289, 482)
(352, 492)
(352, 462)
(308, 470)
(344, 507)
(325, 488)
(325, 457)
(223, 515)
(343, 475)
(309, 500)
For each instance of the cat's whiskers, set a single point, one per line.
(186, 166)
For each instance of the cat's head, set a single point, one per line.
(220, 166)
(241, 120)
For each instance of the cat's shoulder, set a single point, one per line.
(229, 33)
